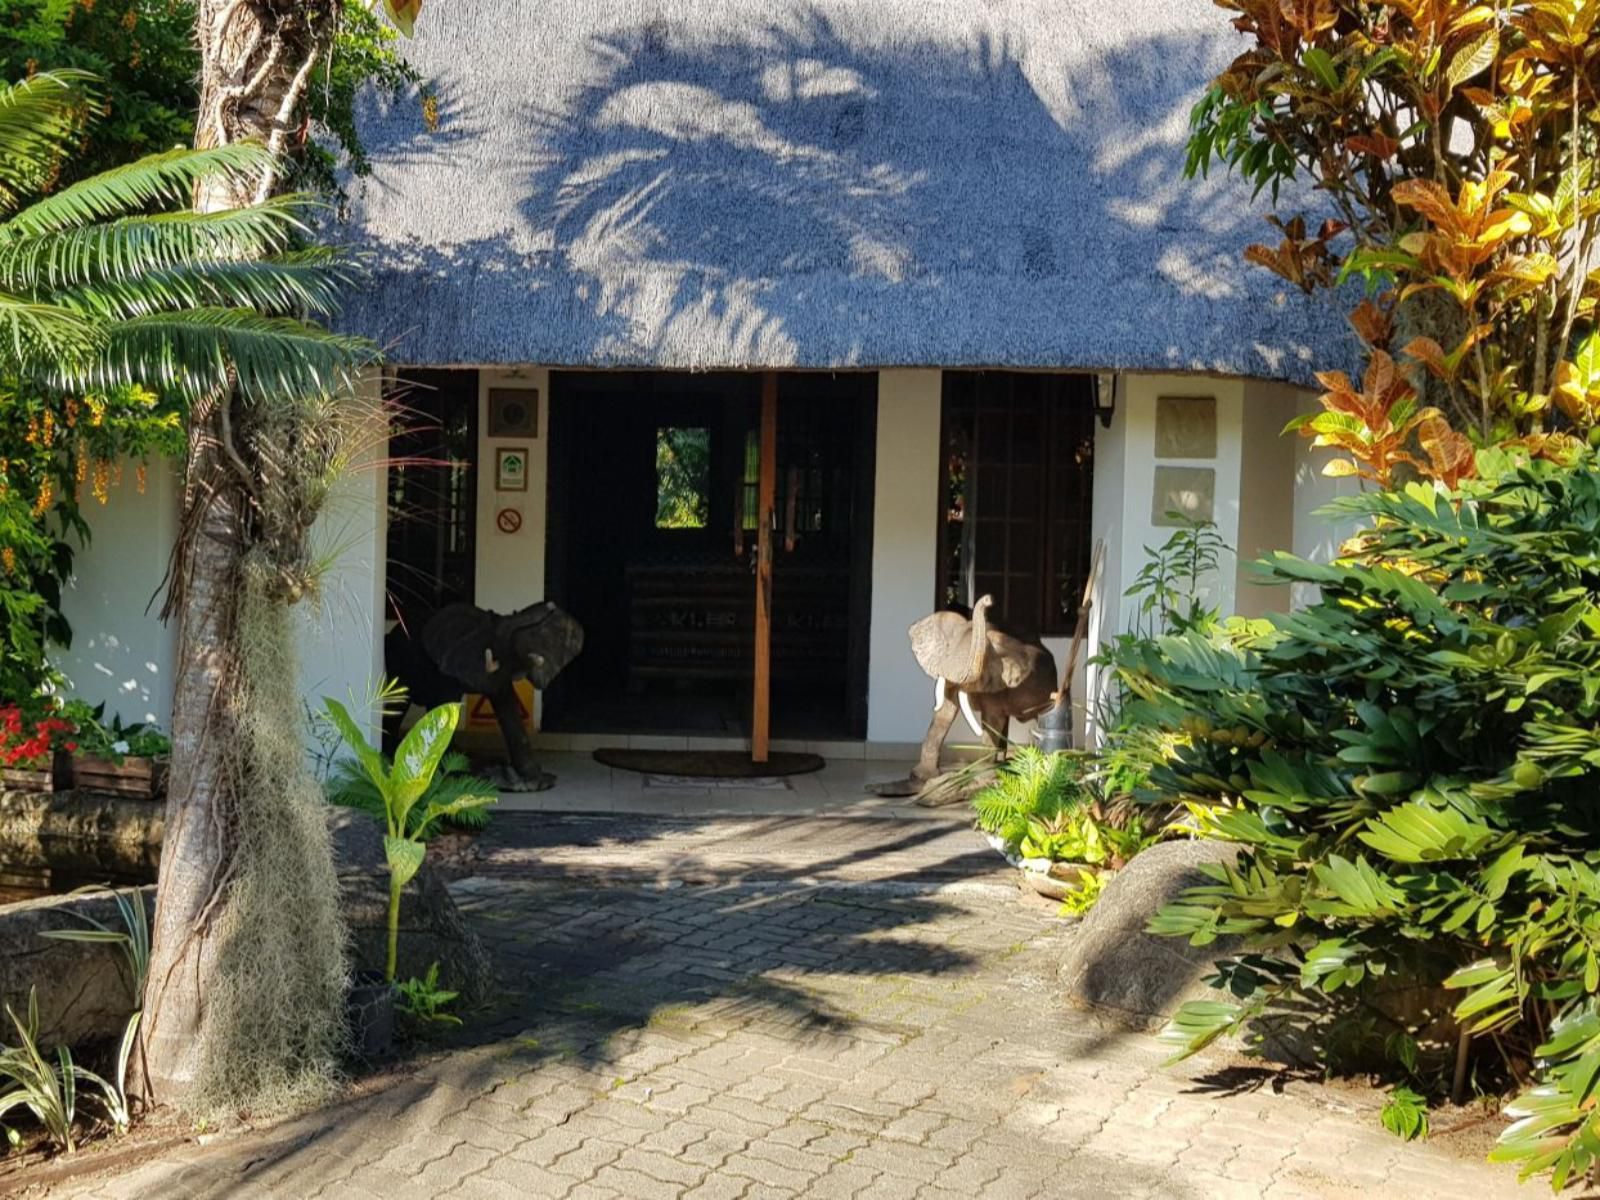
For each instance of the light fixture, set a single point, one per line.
(1105, 398)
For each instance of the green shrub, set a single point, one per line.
(1409, 765)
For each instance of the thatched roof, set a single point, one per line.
(737, 183)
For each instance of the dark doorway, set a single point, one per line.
(432, 493)
(651, 538)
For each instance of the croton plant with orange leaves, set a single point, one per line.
(1454, 144)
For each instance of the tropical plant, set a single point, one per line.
(407, 813)
(1029, 787)
(1407, 764)
(1040, 806)
(423, 1000)
(1171, 585)
(117, 740)
(1455, 143)
(350, 786)
(258, 474)
(134, 940)
(50, 1090)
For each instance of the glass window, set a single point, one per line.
(683, 477)
(1017, 490)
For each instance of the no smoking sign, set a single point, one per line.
(508, 520)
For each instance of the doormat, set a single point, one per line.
(708, 764)
(710, 783)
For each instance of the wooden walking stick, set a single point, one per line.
(1054, 730)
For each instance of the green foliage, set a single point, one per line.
(1031, 786)
(1405, 1114)
(1408, 765)
(1039, 806)
(1170, 586)
(145, 53)
(115, 741)
(142, 50)
(111, 288)
(49, 1090)
(350, 786)
(408, 813)
(1083, 897)
(683, 473)
(425, 1001)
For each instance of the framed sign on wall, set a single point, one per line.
(511, 469)
(514, 412)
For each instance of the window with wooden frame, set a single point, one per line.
(1016, 493)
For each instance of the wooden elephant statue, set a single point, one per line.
(981, 671)
(466, 648)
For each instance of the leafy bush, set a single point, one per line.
(1409, 764)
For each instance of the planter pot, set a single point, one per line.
(27, 779)
(138, 778)
(369, 1013)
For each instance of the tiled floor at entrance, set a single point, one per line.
(839, 789)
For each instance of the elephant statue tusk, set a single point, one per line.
(490, 664)
(972, 717)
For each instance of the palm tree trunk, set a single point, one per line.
(257, 57)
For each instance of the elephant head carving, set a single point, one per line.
(469, 649)
(983, 671)
(485, 651)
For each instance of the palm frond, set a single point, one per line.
(301, 282)
(198, 352)
(157, 180)
(39, 118)
(32, 332)
(128, 248)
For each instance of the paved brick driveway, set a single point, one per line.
(794, 1026)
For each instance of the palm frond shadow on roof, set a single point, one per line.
(873, 183)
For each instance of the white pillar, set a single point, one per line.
(904, 551)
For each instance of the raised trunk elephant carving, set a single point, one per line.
(466, 648)
(982, 671)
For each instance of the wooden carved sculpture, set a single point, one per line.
(466, 648)
(981, 671)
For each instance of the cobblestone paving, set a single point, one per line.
(759, 1039)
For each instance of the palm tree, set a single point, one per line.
(116, 280)
(169, 273)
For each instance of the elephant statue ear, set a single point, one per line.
(456, 638)
(545, 638)
(942, 645)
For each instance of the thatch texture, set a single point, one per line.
(738, 183)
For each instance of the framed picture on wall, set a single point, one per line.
(511, 469)
(514, 412)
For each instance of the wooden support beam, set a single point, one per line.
(761, 718)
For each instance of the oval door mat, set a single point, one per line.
(709, 764)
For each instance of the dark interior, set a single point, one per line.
(651, 539)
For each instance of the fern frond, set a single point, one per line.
(157, 180)
(132, 247)
(39, 120)
(302, 282)
(191, 354)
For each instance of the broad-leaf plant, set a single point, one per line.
(1408, 764)
(409, 815)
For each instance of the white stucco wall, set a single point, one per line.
(121, 653)
(905, 516)
(1266, 512)
(511, 566)
(341, 629)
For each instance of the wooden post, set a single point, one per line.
(761, 718)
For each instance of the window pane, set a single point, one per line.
(683, 478)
